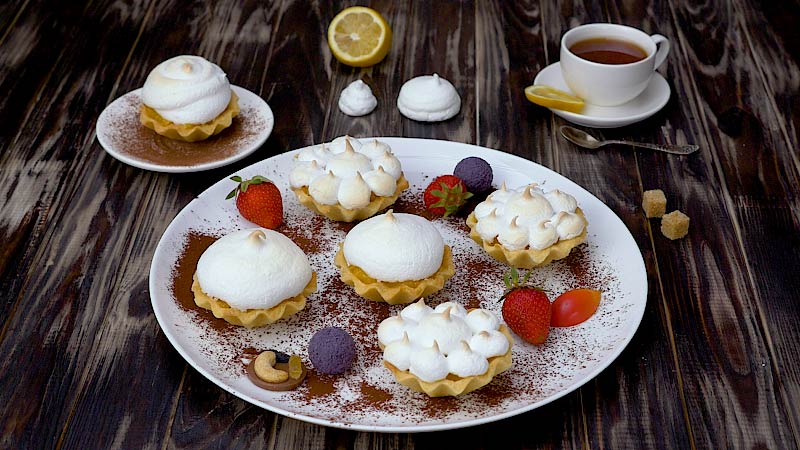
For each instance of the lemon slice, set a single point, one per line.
(359, 36)
(553, 98)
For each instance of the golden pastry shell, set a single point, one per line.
(189, 132)
(251, 318)
(340, 213)
(398, 292)
(526, 258)
(453, 385)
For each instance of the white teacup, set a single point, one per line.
(611, 84)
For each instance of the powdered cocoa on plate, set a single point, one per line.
(368, 389)
(134, 140)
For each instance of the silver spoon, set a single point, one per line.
(586, 140)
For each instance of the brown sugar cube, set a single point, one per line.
(654, 203)
(675, 225)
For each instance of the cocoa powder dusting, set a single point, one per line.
(304, 236)
(375, 395)
(139, 142)
(368, 390)
(183, 277)
(318, 385)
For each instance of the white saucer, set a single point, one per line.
(118, 126)
(645, 105)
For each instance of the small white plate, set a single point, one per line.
(123, 137)
(654, 97)
(610, 260)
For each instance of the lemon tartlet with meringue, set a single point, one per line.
(187, 98)
(527, 227)
(253, 277)
(346, 180)
(446, 351)
(395, 258)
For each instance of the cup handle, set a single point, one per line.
(663, 49)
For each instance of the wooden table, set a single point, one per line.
(713, 364)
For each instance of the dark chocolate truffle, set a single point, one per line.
(331, 350)
(475, 173)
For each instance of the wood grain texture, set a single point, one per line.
(712, 365)
(713, 307)
(53, 312)
(384, 80)
(615, 402)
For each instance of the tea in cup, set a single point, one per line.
(608, 64)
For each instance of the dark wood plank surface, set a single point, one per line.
(713, 364)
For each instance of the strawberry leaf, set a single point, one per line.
(439, 194)
(450, 210)
(526, 277)
(243, 185)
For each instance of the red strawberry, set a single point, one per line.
(445, 195)
(526, 310)
(258, 201)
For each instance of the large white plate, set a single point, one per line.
(649, 102)
(610, 260)
(116, 122)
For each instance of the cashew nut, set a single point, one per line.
(265, 368)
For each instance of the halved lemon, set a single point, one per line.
(550, 97)
(359, 36)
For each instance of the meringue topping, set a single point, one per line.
(339, 144)
(456, 309)
(528, 217)
(446, 329)
(353, 192)
(253, 269)
(393, 328)
(374, 149)
(380, 182)
(346, 172)
(489, 343)
(348, 163)
(434, 343)
(482, 320)
(398, 353)
(357, 99)
(463, 362)
(187, 89)
(428, 98)
(395, 247)
(325, 189)
(416, 311)
(429, 364)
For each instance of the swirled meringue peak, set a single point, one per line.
(432, 343)
(395, 247)
(346, 172)
(428, 98)
(357, 99)
(187, 89)
(528, 217)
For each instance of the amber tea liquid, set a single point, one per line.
(608, 51)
